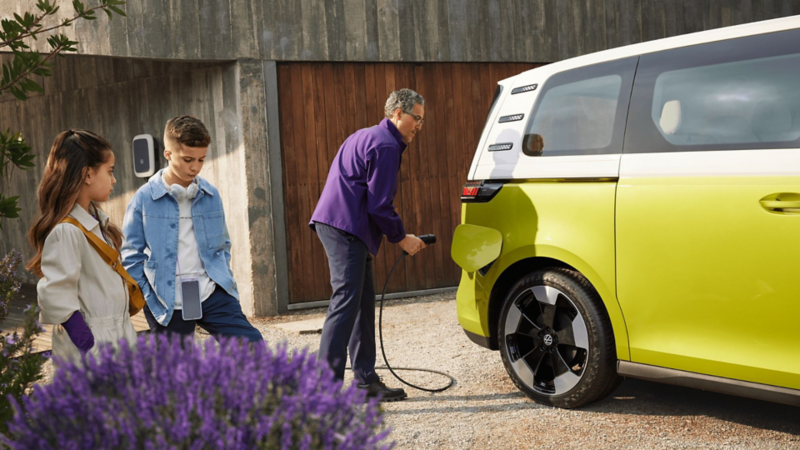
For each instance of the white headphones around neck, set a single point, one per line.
(178, 191)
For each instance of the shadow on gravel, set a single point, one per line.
(468, 398)
(501, 408)
(639, 397)
(636, 397)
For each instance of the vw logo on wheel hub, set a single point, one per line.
(548, 340)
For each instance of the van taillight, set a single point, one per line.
(469, 191)
(479, 191)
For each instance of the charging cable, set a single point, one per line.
(428, 239)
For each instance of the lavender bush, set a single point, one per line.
(20, 367)
(165, 393)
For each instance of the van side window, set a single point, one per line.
(581, 111)
(730, 95)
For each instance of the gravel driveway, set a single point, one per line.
(484, 410)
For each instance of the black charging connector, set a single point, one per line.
(428, 239)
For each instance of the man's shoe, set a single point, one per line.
(387, 394)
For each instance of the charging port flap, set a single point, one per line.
(475, 246)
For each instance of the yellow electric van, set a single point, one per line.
(636, 213)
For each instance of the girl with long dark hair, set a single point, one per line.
(79, 292)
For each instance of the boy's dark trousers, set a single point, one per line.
(350, 322)
(222, 316)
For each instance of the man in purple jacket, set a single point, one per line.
(354, 211)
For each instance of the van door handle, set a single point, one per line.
(772, 205)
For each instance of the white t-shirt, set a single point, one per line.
(189, 263)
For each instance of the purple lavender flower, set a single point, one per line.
(171, 394)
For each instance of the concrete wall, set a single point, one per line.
(119, 99)
(398, 30)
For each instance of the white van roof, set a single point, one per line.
(684, 40)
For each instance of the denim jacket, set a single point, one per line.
(150, 250)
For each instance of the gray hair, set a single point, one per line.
(405, 99)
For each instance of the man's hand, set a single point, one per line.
(411, 244)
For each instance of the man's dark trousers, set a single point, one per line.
(350, 322)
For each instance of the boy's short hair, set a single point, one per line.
(186, 130)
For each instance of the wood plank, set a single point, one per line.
(289, 178)
(323, 163)
(332, 137)
(417, 155)
(361, 116)
(388, 31)
(438, 167)
(450, 182)
(308, 105)
(460, 143)
(373, 108)
(355, 27)
(383, 260)
(404, 198)
(293, 176)
(337, 34)
(322, 285)
(418, 205)
(302, 178)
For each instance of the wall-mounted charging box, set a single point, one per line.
(145, 160)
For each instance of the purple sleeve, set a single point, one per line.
(79, 332)
(382, 173)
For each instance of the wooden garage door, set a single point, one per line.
(323, 103)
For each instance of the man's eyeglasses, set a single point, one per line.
(416, 117)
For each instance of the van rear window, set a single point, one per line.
(578, 116)
(581, 111)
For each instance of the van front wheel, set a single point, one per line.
(556, 340)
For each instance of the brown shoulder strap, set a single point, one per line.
(111, 257)
(106, 251)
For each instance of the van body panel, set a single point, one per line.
(707, 259)
(472, 304)
(708, 276)
(572, 222)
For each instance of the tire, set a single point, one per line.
(556, 340)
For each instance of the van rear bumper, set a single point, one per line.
(483, 341)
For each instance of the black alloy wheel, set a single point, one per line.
(556, 340)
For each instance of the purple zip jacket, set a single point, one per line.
(362, 182)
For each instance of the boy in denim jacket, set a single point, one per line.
(175, 236)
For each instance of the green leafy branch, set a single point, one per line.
(14, 32)
(16, 75)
